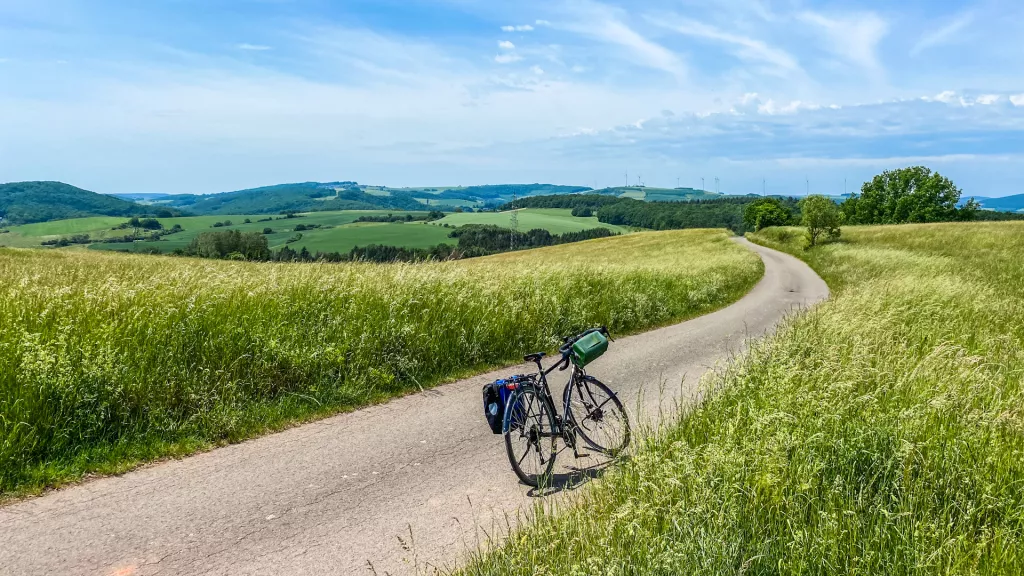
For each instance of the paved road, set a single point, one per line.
(333, 496)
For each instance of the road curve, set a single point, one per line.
(335, 496)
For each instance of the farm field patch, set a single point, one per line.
(554, 220)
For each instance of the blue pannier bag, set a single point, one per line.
(496, 395)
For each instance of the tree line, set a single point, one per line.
(909, 195)
(472, 240)
(707, 213)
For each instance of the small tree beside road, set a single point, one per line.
(822, 217)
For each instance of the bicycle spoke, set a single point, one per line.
(599, 417)
(525, 454)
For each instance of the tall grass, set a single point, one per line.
(880, 433)
(108, 360)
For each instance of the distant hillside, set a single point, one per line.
(503, 191)
(658, 194)
(320, 196)
(28, 202)
(142, 197)
(1005, 204)
(299, 197)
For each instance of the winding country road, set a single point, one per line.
(334, 496)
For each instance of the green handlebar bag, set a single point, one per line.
(589, 348)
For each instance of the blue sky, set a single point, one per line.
(211, 95)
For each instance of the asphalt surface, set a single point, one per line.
(400, 487)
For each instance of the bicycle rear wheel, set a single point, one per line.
(530, 436)
(598, 414)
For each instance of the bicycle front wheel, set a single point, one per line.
(598, 414)
(530, 436)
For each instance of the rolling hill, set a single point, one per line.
(1005, 204)
(330, 196)
(28, 202)
(299, 197)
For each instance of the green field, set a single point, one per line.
(340, 232)
(31, 235)
(108, 360)
(651, 194)
(344, 238)
(449, 202)
(554, 220)
(880, 433)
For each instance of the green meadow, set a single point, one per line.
(338, 232)
(881, 432)
(554, 220)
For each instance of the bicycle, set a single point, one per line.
(590, 410)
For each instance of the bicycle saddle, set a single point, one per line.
(535, 357)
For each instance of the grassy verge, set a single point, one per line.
(109, 360)
(880, 433)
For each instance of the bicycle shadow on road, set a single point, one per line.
(574, 477)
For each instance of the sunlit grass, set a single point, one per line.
(880, 433)
(107, 360)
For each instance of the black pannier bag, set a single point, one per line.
(494, 406)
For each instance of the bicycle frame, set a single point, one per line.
(565, 424)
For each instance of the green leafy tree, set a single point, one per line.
(914, 194)
(766, 212)
(822, 217)
(230, 244)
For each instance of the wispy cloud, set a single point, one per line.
(507, 58)
(749, 49)
(506, 45)
(604, 23)
(852, 37)
(944, 34)
(518, 28)
(253, 47)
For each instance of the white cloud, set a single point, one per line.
(853, 37)
(542, 23)
(748, 48)
(947, 97)
(943, 34)
(520, 28)
(506, 45)
(987, 99)
(1017, 99)
(771, 108)
(253, 47)
(507, 58)
(537, 70)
